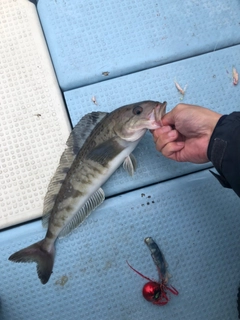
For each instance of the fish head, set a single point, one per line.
(132, 121)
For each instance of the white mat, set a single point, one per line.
(33, 122)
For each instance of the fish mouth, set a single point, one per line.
(156, 115)
(159, 111)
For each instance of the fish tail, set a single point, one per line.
(36, 253)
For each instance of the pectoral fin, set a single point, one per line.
(130, 164)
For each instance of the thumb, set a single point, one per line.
(168, 119)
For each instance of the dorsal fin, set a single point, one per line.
(74, 143)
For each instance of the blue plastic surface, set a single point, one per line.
(91, 41)
(194, 221)
(209, 83)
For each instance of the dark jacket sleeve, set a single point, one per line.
(224, 151)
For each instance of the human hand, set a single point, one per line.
(186, 133)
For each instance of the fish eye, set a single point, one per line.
(137, 110)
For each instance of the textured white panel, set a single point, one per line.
(33, 121)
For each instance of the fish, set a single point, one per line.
(96, 147)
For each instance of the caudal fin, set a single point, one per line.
(35, 253)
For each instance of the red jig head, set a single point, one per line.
(156, 292)
(153, 292)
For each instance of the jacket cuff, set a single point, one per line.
(224, 151)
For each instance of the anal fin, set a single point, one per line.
(92, 203)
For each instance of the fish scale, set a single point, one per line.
(97, 146)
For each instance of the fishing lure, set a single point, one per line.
(153, 291)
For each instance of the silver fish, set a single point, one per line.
(97, 146)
